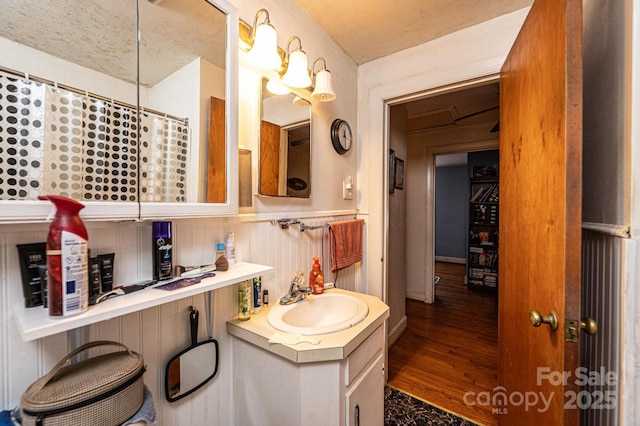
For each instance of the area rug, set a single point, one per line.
(401, 409)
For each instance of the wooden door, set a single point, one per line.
(269, 158)
(217, 159)
(540, 215)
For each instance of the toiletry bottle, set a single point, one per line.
(316, 277)
(244, 297)
(222, 264)
(32, 256)
(162, 251)
(220, 251)
(67, 259)
(257, 294)
(230, 249)
(106, 271)
(265, 297)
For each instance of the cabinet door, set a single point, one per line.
(365, 399)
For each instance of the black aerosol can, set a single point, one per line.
(162, 251)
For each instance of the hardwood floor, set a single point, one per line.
(450, 347)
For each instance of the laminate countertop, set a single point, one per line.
(332, 346)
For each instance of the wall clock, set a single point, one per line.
(341, 136)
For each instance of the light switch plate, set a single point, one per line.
(347, 193)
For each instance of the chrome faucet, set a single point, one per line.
(296, 291)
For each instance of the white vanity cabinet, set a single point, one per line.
(339, 381)
(364, 382)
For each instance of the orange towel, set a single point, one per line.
(345, 243)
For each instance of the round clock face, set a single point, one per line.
(341, 136)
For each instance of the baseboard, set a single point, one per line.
(447, 259)
(397, 331)
(417, 295)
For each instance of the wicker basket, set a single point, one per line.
(103, 390)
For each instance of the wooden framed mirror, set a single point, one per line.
(285, 145)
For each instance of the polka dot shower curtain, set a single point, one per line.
(163, 159)
(89, 146)
(21, 135)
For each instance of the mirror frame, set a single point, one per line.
(28, 211)
(195, 388)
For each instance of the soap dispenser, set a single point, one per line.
(316, 277)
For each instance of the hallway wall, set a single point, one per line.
(397, 263)
(452, 213)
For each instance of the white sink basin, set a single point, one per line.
(318, 314)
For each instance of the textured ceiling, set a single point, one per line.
(174, 32)
(371, 29)
(101, 34)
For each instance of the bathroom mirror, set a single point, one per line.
(56, 55)
(77, 60)
(193, 367)
(285, 145)
(182, 74)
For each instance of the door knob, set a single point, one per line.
(537, 320)
(589, 325)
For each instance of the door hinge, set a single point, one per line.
(571, 330)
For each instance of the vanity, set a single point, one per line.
(339, 380)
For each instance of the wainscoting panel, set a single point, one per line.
(601, 283)
(159, 333)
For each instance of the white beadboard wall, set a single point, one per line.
(158, 333)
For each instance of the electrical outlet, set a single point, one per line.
(347, 190)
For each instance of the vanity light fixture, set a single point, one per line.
(297, 74)
(300, 102)
(264, 49)
(323, 90)
(276, 87)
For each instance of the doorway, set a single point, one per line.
(443, 358)
(458, 121)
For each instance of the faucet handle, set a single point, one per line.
(299, 278)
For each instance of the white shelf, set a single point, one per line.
(35, 323)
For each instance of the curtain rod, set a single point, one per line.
(86, 93)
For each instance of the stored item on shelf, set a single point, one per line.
(184, 282)
(31, 257)
(162, 251)
(44, 280)
(121, 291)
(106, 271)
(222, 263)
(257, 294)
(95, 282)
(106, 389)
(67, 259)
(230, 249)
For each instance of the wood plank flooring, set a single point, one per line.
(450, 347)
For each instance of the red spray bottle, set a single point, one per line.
(67, 259)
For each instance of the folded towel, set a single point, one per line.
(7, 419)
(293, 339)
(345, 243)
(146, 415)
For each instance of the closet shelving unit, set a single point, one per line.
(482, 261)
